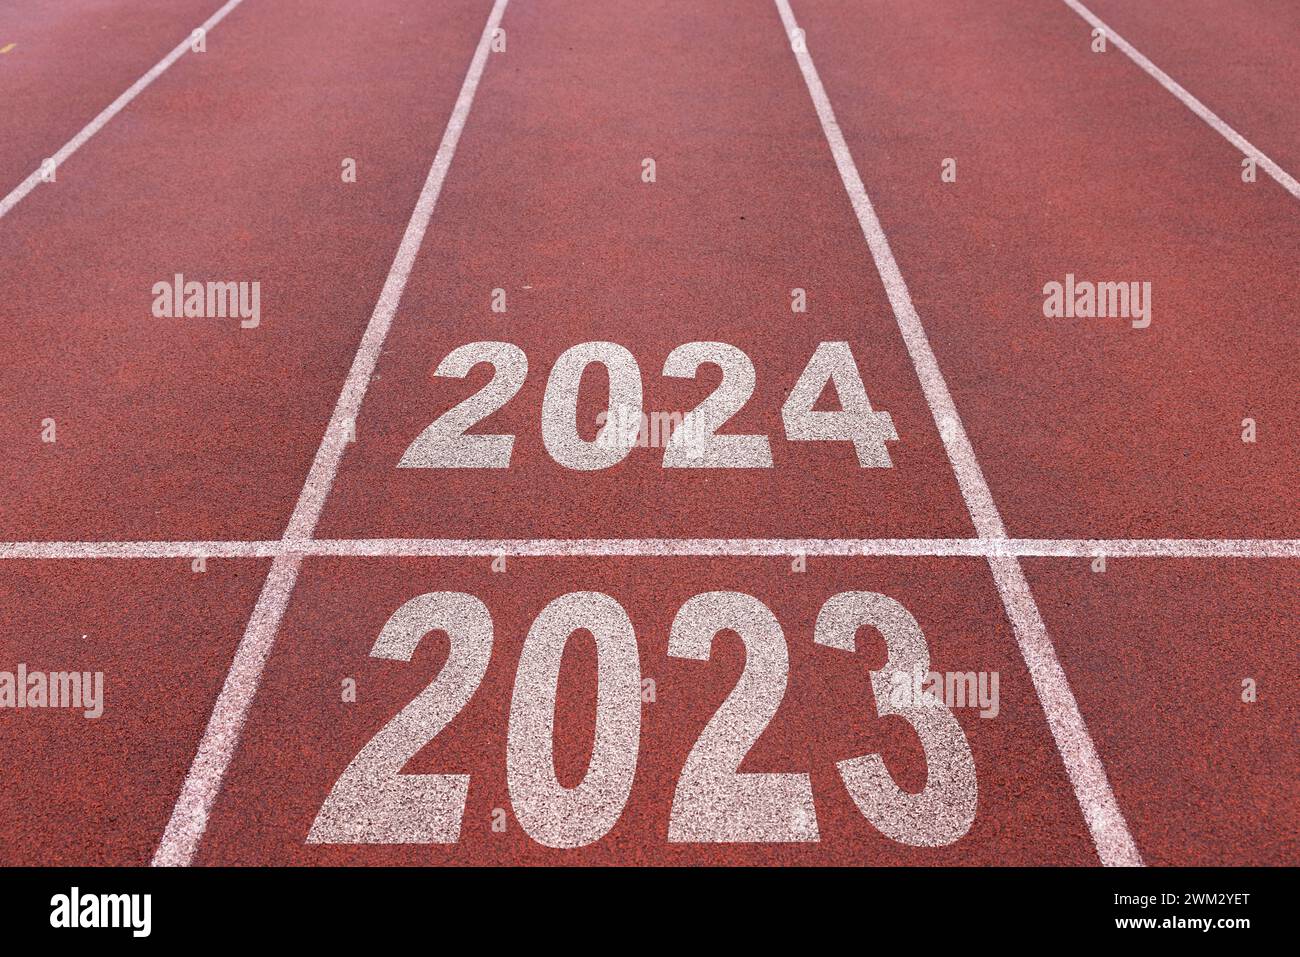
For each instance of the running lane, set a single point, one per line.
(548, 213)
(807, 705)
(229, 168)
(1238, 57)
(546, 201)
(1186, 673)
(1070, 162)
(93, 785)
(66, 62)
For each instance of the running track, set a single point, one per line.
(500, 153)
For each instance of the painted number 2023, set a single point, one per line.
(373, 802)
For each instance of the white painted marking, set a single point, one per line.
(110, 111)
(138, 550)
(444, 443)
(855, 421)
(1092, 789)
(714, 801)
(665, 547)
(1283, 178)
(189, 817)
(560, 431)
(944, 809)
(828, 547)
(373, 802)
(1150, 547)
(695, 443)
(550, 813)
(647, 547)
(1105, 820)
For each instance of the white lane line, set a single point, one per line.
(649, 547)
(1149, 547)
(1092, 789)
(189, 817)
(1115, 548)
(218, 549)
(784, 547)
(1283, 178)
(1110, 833)
(110, 111)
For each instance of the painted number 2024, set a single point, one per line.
(695, 443)
(372, 802)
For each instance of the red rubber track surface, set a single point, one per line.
(1235, 56)
(228, 168)
(69, 62)
(1158, 652)
(746, 206)
(1075, 162)
(301, 735)
(96, 791)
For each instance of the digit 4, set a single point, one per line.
(855, 421)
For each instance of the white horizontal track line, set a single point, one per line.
(1150, 548)
(666, 547)
(830, 547)
(1283, 178)
(44, 550)
(110, 111)
(649, 547)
